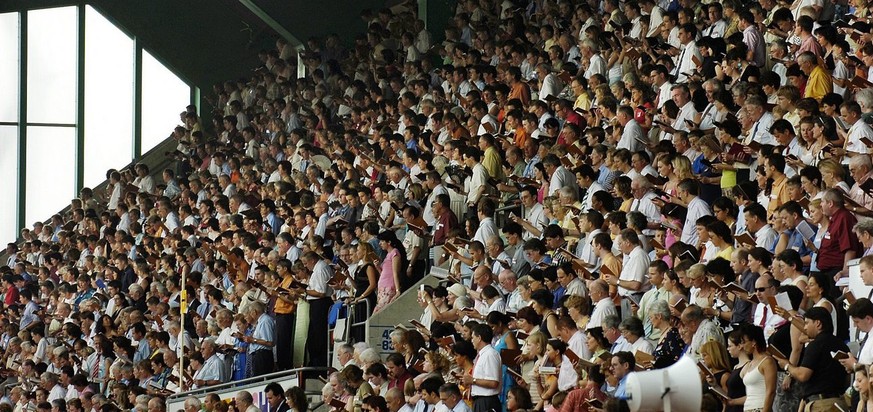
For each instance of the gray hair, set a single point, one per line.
(568, 192)
(642, 181)
(660, 308)
(192, 402)
(369, 356)
(864, 97)
(864, 226)
(590, 44)
(611, 321)
(862, 161)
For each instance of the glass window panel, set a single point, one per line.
(108, 97)
(51, 65)
(164, 96)
(51, 160)
(9, 183)
(9, 59)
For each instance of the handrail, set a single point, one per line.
(254, 379)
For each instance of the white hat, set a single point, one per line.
(458, 290)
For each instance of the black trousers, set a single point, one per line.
(262, 362)
(316, 339)
(284, 341)
(487, 404)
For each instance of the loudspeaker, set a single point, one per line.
(674, 389)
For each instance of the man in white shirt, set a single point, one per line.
(703, 330)
(643, 195)
(861, 313)
(559, 176)
(533, 212)
(858, 129)
(550, 84)
(485, 381)
(632, 281)
(757, 113)
(433, 183)
(766, 286)
(661, 84)
(603, 305)
(717, 25)
(686, 63)
(756, 224)
(588, 180)
(710, 115)
(451, 399)
(655, 14)
(682, 97)
(487, 228)
(591, 54)
(212, 372)
(591, 224)
(476, 185)
(575, 340)
(688, 192)
(632, 135)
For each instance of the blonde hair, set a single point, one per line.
(696, 271)
(537, 338)
(682, 167)
(828, 165)
(718, 356)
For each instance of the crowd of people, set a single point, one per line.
(603, 188)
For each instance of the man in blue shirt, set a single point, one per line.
(262, 340)
(622, 365)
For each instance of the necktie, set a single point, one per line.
(764, 318)
(679, 63)
(96, 371)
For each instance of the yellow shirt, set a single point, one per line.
(725, 253)
(778, 195)
(492, 163)
(582, 102)
(818, 84)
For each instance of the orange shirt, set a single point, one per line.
(521, 137)
(282, 307)
(521, 92)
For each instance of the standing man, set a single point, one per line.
(485, 380)
(632, 281)
(318, 295)
(262, 340)
(839, 244)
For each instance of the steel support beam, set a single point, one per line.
(22, 121)
(137, 99)
(80, 100)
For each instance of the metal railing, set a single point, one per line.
(248, 381)
(351, 326)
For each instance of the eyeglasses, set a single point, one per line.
(764, 289)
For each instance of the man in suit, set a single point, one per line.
(276, 398)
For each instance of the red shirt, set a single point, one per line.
(838, 240)
(11, 296)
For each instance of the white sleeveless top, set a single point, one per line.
(756, 388)
(833, 312)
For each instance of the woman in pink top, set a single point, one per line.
(390, 282)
